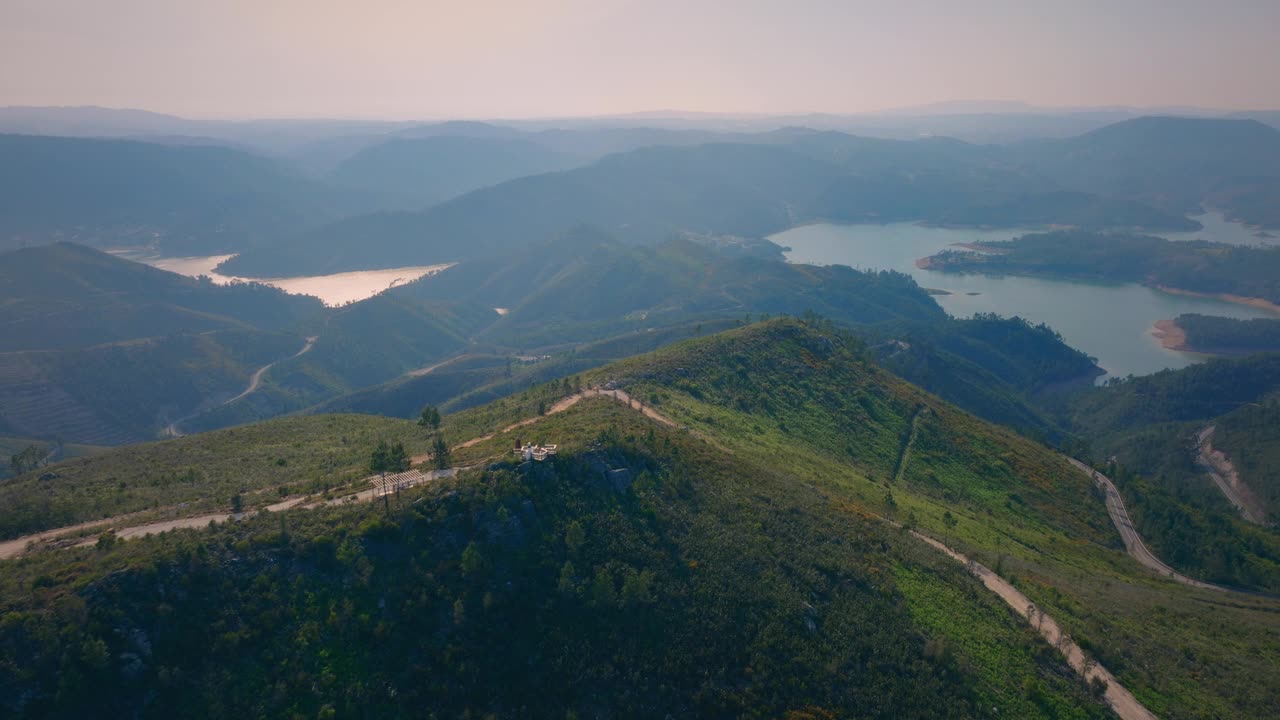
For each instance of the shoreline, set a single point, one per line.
(1171, 335)
(1258, 303)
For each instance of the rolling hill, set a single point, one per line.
(1173, 163)
(751, 185)
(65, 296)
(430, 170)
(746, 531)
(1150, 425)
(181, 199)
(96, 349)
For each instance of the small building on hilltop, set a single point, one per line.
(537, 453)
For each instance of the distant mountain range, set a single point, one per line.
(1145, 173)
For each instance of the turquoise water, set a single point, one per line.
(1109, 322)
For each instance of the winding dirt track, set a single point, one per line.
(1123, 702)
(256, 379)
(1225, 476)
(173, 431)
(1120, 699)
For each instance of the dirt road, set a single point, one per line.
(1132, 540)
(256, 379)
(1125, 705)
(18, 546)
(173, 430)
(1120, 699)
(1225, 476)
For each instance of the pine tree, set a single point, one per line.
(380, 459)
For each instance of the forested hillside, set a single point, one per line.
(65, 296)
(581, 299)
(539, 591)
(1230, 336)
(182, 199)
(1197, 266)
(429, 170)
(788, 440)
(743, 185)
(1149, 425)
(1174, 163)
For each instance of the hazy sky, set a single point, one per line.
(474, 58)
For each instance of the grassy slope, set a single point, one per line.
(203, 472)
(787, 401)
(802, 402)
(128, 391)
(713, 586)
(1017, 506)
(10, 446)
(1149, 424)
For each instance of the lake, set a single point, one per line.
(333, 290)
(1109, 322)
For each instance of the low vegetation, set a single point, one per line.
(262, 463)
(638, 574)
(748, 532)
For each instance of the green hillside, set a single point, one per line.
(1250, 437)
(65, 296)
(747, 535)
(1230, 336)
(43, 453)
(1149, 425)
(1198, 266)
(96, 349)
(201, 473)
(536, 591)
(129, 391)
(584, 299)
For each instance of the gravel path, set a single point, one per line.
(1225, 476)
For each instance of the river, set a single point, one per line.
(1112, 323)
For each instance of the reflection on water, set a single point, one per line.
(1218, 229)
(333, 290)
(1110, 322)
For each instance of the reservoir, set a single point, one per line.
(1112, 323)
(333, 290)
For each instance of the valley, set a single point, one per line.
(838, 425)
(612, 360)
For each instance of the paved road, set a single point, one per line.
(1132, 540)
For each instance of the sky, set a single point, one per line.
(402, 59)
